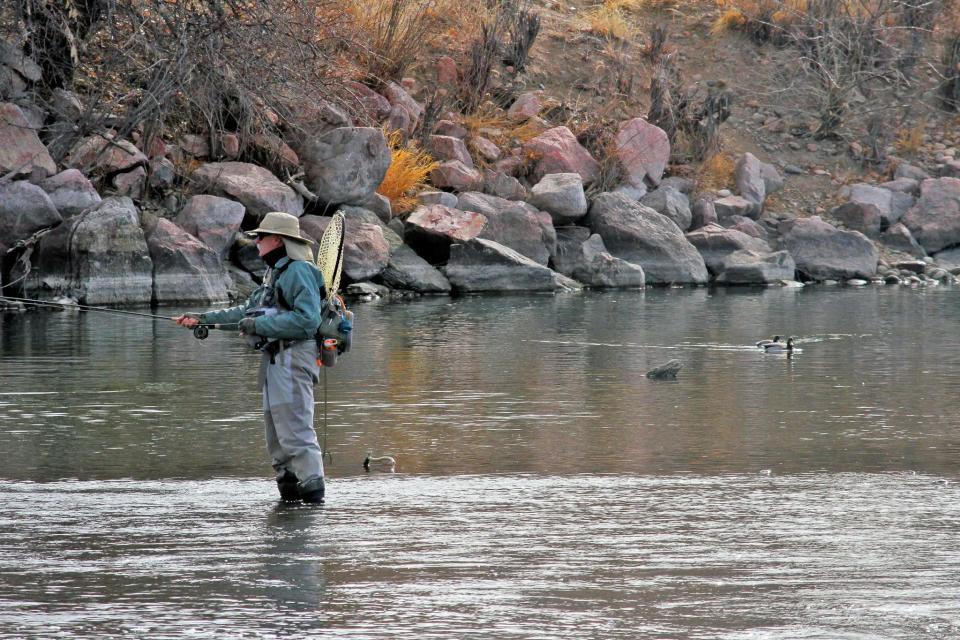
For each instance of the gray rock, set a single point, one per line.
(734, 206)
(24, 209)
(437, 197)
(70, 192)
(96, 257)
(935, 220)
(949, 259)
(750, 267)
(748, 175)
(569, 254)
(184, 268)
(668, 201)
(365, 251)
(406, 270)
(859, 216)
(715, 243)
(517, 225)
(485, 265)
(21, 151)
(497, 183)
(346, 164)
(749, 227)
(597, 268)
(681, 184)
(131, 183)
(561, 195)
(455, 175)
(772, 180)
(15, 59)
(449, 148)
(254, 187)
(823, 252)
(379, 204)
(904, 170)
(215, 221)
(642, 236)
(162, 174)
(702, 213)
(902, 185)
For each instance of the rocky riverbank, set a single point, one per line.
(115, 223)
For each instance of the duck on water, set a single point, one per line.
(779, 347)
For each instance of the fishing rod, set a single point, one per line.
(200, 331)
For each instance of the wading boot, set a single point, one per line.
(312, 492)
(287, 485)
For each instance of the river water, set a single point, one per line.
(544, 487)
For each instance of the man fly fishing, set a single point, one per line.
(281, 318)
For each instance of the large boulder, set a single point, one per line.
(24, 209)
(569, 254)
(365, 251)
(105, 156)
(557, 151)
(935, 220)
(70, 192)
(640, 235)
(345, 164)
(772, 180)
(21, 151)
(642, 151)
(97, 257)
(702, 213)
(485, 265)
(407, 270)
(517, 225)
(671, 203)
(561, 195)
(751, 267)
(716, 243)
(594, 266)
(899, 238)
(184, 268)
(859, 216)
(890, 205)
(823, 252)
(748, 174)
(254, 187)
(430, 230)
(213, 220)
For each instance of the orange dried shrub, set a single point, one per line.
(910, 139)
(716, 172)
(410, 166)
(609, 22)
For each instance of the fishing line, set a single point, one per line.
(325, 452)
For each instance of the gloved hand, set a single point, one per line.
(248, 326)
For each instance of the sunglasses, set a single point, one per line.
(261, 236)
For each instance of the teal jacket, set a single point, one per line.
(299, 287)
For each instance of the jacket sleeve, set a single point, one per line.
(300, 286)
(230, 316)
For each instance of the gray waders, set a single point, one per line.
(288, 372)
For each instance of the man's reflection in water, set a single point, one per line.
(294, 556)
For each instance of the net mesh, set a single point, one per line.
(330, 253)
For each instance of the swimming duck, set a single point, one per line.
(764, 343)
(779, 347)
(383, 463)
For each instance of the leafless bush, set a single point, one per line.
(398, 32)
(950, 86)
(523, 31)
(484, 52)
(691, 118)
(434, 107)
(154, 67)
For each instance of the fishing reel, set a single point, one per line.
(200, 332)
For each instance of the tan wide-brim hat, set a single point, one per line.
(280, 224)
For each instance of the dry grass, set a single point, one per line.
(910, 139)
(492, 123)
(716, 172)
(409, 167)
(609, 22)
